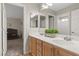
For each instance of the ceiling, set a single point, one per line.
(58, 6)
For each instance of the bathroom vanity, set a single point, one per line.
(40, 45)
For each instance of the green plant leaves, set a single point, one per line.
(51, 31)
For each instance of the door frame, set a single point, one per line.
(19, 5)
(1, 35)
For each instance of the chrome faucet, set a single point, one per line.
(67, 38)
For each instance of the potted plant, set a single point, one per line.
(51, 32)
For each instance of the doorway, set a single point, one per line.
(14, 16)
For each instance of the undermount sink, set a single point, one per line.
(66, 43)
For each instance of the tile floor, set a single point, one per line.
(15, 47)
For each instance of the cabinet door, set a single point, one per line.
(33, 46)
(60, 52)
(39, 47)
(54, 51)
(63, 52)
(47, 49)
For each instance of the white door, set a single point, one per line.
(4, 31)
(0, 31)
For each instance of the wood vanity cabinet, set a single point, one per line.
(38, 47)
(29, 45)
(62, 52)
(47, 49)
(55, 51)
(35, 46)
(32, 46)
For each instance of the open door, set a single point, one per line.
(4, 31)
(0, 30)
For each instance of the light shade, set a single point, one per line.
(65, 20)
(49, 4)
(46, 5)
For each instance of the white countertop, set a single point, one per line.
(59, 41)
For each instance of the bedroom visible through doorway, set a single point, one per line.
(14, 30)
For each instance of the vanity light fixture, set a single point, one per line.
(64, 20)
(46, 5)
(49, 4)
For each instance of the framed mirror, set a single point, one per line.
(42, 21)
(75, 22)
(63, 25)
(34, 20)
(51, 21)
